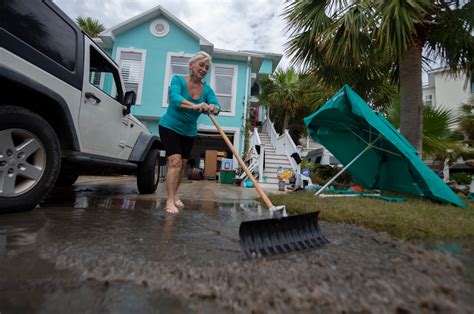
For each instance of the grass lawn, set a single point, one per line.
(415, 218)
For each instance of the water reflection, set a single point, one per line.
(19, 231)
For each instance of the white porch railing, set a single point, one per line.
(283, 143)
(253, 142)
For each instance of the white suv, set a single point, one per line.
(64, 111)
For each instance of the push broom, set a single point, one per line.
(280, 234)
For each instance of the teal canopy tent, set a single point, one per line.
(375, 154)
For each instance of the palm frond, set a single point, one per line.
(450, 38)
(398, 23)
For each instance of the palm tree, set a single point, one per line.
(280, 92)
(466, 123)
(438, 128)
(291, 95)
(348, 34)
(90, 26)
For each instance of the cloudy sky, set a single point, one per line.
(228, 24)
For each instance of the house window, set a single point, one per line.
(132, 67)
(428, 100)
(177, 65)
(224, 81)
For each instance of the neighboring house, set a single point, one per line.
(152, 47)
(447, 91)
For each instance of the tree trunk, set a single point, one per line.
(411, 103)
(286, 121)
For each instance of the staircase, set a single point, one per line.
(273, 162)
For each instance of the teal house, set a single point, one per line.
(152, 47)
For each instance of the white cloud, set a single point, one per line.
(228, 24)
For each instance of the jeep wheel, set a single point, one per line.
(148, 173)
(29, 158)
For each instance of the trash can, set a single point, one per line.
(227, 176)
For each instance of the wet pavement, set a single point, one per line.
(99, 218)
(101, 247)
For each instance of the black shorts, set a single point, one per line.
(176, 143)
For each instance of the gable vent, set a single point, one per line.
(159, 28)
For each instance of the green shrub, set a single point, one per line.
(320, 174)
(461, 177)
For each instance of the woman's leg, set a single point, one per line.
(173, 179)
(177, 201)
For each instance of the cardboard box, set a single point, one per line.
(210, 164)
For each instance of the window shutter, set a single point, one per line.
(131, 67)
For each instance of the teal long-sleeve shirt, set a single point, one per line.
(182, 120)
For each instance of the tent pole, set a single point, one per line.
(343, 169)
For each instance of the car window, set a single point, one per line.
(41, 28)
(104, 76)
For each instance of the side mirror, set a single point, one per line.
(128, 101)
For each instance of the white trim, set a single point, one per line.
(234, 86)
(142, 70)
(247, 76)
(108, 36)
(236, 131)
(167, 73)
(166, 26)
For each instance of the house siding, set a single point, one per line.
(157, 49)
(448, 91)
(267, 67)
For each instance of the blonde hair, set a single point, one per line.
(200, 55)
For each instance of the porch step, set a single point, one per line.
(269, 186)
(272, 153)
(275, 167)
(277, 160)
(270, 180)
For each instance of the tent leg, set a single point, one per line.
(342, 170)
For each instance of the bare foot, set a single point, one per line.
(171, 208)
(178, 204)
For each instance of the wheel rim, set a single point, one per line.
(22, 161)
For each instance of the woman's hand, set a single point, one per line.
(213, 108)
(202, 107)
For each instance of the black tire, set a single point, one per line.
(148, 174)
(19, 126)
(66, 179)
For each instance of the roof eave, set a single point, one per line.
(108, 36)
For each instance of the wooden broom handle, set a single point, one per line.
(242, 163)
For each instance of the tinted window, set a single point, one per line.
(35, 23)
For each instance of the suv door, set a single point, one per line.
(101, 121)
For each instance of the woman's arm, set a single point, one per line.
(213, 102)
(189, 105)
(176, 98)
